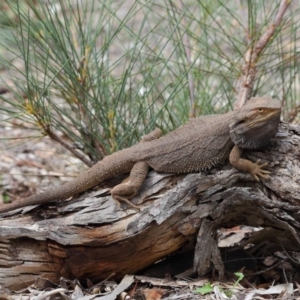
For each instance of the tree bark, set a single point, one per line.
(91, 237)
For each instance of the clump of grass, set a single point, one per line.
(96, 75)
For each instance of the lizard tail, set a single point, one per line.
(109, 167)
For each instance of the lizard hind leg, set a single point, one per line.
(129, 187)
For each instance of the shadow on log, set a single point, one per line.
(91, 237)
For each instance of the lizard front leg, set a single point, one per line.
(130, 186)
(255, 169)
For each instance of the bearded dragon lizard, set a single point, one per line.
(196, 146)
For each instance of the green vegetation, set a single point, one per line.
(102, 73)
(208, 288)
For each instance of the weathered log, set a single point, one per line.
(91, 237)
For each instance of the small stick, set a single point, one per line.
(246, 81)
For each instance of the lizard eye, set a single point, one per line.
(260, 110)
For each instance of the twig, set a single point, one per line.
(3, 90)
(267, 269)
(246, 82)
(55, 137)
(293, 114)
(44, 295)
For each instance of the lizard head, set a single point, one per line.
(255, 123)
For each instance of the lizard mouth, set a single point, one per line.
(256, 120)
(241, 122)
(260, 120)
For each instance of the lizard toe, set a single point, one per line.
(123, 199)
(260, 174)
(255, 177)
(258, 171)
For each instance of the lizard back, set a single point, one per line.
(198, 145)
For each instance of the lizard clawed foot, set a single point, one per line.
(118, 199)
(258, 171)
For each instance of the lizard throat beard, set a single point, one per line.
(255, 136)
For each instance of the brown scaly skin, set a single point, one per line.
(198, 145)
